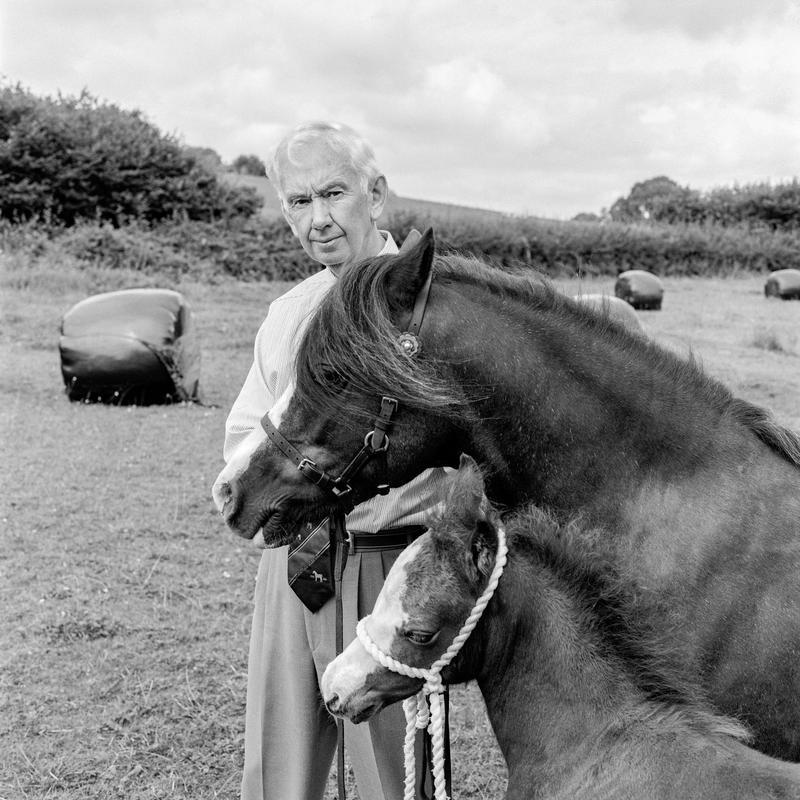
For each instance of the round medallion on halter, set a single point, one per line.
(409, 343)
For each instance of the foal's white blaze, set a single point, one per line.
(239, 460)
(389, 616)
(347, 674)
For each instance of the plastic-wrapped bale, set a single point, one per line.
(783, 283)
(615, 307)
(131, 347)
(642, 289)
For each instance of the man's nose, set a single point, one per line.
(320, 214)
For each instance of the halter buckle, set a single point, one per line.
(310, 470)
(341, 491)
(382, 448)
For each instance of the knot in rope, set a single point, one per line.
(426, 708)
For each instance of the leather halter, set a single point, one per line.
(376, 441)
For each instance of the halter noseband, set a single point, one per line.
(418, 713)
(376, 442)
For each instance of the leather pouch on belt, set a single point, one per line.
(309, 568)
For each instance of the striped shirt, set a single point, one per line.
(272, 373)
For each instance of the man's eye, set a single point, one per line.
(421, 637)
(335, 194)
(299, 202)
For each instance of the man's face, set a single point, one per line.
(328, 209)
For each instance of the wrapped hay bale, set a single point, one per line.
(131, 347)
(783, 283)
(614, 307)
(642, 289)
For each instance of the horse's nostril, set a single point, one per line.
(222, 493)
(332, 703)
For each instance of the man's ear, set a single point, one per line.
(378, 196)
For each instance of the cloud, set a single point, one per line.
(701, 20)
(549, 107)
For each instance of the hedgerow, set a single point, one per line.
(608, 248)
(258, 249)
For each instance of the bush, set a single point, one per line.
(758, 205)
(250, 249)
(608, 248)
(249, 165)
(74, 158)
(258, 249)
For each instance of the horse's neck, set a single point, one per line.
(540, 675)
(558, 702)
(590, 405)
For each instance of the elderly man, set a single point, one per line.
(332, 194)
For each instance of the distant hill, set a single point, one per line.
(272, 207)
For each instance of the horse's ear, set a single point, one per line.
(466, 492)
(410, 270)
(469, 504)
(483, 546)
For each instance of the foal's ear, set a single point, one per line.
(410, 270)
(479, 519)
(482, 548)
(466, 492)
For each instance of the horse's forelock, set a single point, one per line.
(350, 347)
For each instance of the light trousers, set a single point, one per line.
(290, 738)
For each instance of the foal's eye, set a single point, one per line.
(421, 637)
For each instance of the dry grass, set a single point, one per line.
(126, 605)
(768, 338)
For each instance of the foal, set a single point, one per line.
(584, 699)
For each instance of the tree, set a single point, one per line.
(249, 165)
(759, 205)
(658, 199)
(73, 158)
(207, 157)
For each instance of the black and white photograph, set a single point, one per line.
(399, 401)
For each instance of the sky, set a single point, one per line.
(544, 107)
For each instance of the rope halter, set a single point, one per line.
(425, 709)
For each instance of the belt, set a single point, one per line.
(388, 539)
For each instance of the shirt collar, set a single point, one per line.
(389, 246)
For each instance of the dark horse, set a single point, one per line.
(693, 491)
(585, 702)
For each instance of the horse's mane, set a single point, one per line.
(610, 606)
(349, 348)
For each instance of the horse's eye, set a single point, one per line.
(332, 378)
(421, 637)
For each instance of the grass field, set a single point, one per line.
(126, 604)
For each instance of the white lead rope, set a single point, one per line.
(425, 709)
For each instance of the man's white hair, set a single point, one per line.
(340, 138)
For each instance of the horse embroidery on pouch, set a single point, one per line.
(318, 578)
